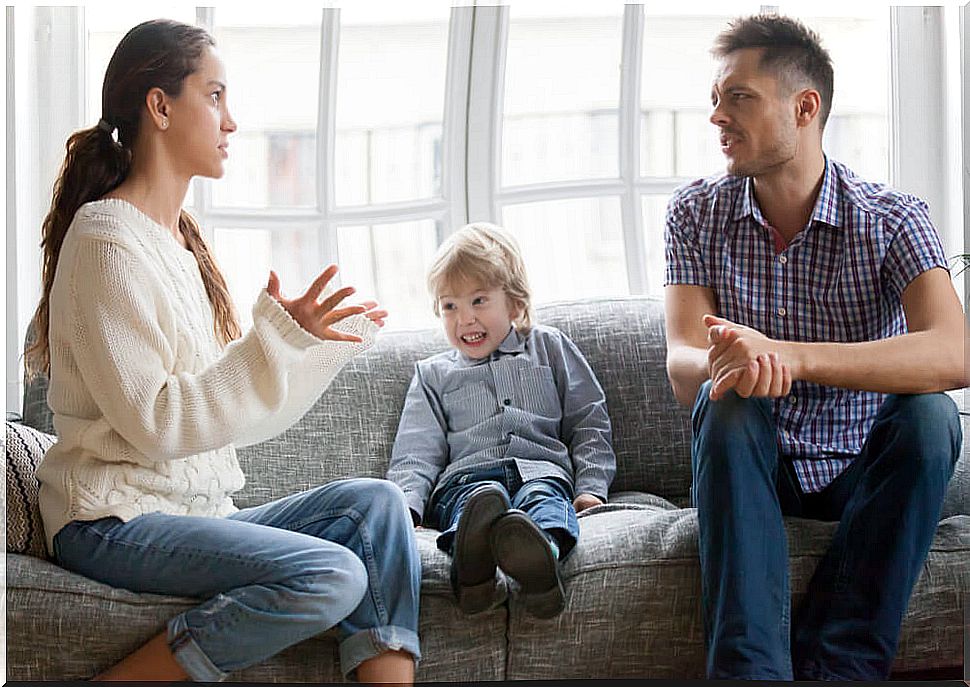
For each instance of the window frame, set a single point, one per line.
(43, 108)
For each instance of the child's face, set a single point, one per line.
(476, 319)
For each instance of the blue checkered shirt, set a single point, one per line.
(840, 280)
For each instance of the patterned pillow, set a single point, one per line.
(25, 449)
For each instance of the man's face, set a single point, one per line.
(755, 115)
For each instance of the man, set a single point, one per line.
(815, 388)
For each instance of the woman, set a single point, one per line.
(152, 384)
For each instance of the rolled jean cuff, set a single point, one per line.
(375, 641)
(189, 654)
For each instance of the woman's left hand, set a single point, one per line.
(373, 314)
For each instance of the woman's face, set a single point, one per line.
(199, 123)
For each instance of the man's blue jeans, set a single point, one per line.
(887, 502)
(341, 554)
(549, 502)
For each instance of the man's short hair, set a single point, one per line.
(791, 49)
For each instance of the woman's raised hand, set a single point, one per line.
(318, 317)
(374, 315)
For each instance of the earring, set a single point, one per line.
(164, 123)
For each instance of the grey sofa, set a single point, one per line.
(632, 584)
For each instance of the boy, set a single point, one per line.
(506, 436)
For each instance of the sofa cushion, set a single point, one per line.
(25, 449)
(633, 598)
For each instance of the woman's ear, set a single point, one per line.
(157, 103)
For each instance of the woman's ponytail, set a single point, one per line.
(224, 313)
(95, 164)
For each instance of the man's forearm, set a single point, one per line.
(687, 368)
(919, 362)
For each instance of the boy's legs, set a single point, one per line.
(889, 501)
(464, 510)
(449, 501)
(549, 503)
(529, 541)
(742, 541)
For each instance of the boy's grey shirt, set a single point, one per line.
(535, 401)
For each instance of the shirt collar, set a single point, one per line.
(513, 342)
(827, 206)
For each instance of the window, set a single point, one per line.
(368, 133)
(602, 111)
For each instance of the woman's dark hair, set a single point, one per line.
(155, 54)
(791, 49)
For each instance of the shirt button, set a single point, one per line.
(507, 402)
(782, 312)
(792, 399)
(783, 259)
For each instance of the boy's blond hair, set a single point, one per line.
(488, 255)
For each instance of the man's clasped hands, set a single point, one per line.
(744, 359)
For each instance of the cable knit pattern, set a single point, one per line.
(147, 405)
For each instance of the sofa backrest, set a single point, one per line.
(351, 429)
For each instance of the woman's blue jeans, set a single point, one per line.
(888, 504)
(342, 554)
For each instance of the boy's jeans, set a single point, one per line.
(341, 554)
(888, 503)
(549, 502)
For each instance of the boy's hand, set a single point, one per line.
(584, 501)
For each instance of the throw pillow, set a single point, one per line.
(25, 449)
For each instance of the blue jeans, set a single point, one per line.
(341, 554)
(888, 504)
(548, 501)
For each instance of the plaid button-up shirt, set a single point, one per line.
(840, 280)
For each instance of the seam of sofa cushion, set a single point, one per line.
(162, 600)
(692, 561)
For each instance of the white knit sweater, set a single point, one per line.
(147, 406)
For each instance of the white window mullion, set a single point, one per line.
(326, 132)
(485, 106)
(963, 32)
(629, 142)
(562, 190)
(22, 253)
(45, 107)
(454, 161)
(918, 144)
(390, 212)
(957, 162)
(202, 187)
